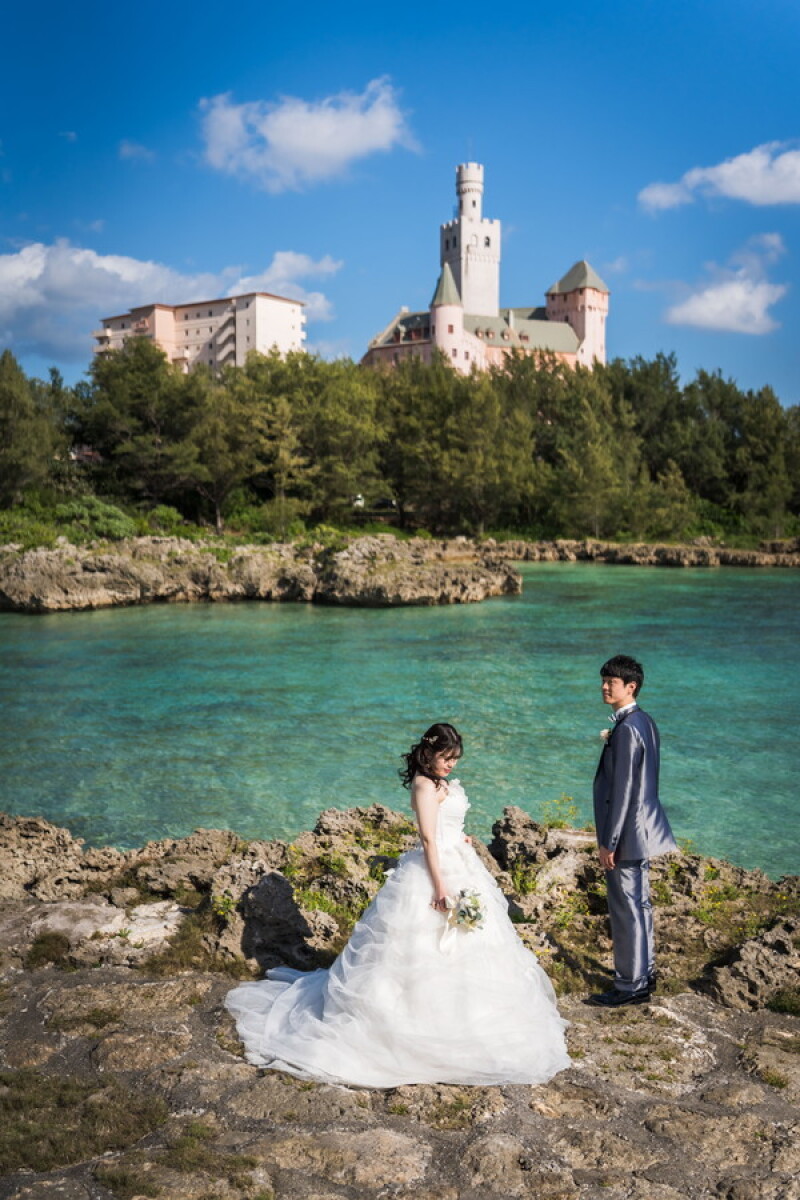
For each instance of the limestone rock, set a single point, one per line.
(761, 967)
(48, 863)
(375, 1159)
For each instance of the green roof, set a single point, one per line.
(526, 334)
(446, 290)
(579, 276)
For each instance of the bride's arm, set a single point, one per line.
(425, 800)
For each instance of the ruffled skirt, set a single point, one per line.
(411, 999)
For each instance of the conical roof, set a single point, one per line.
(581, 275)
(446, 290)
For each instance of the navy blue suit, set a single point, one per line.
(631, 822)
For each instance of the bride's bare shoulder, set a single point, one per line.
(424, 788)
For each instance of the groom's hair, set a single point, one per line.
(624, 668)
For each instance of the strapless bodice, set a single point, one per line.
(452, 811)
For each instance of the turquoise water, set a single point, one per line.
(142, 723)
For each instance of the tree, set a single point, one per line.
(137, 415)
(227, 445)
(28, 434)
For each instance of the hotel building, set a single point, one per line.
(217, 333)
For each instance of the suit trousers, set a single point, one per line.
(631, 916)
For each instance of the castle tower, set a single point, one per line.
(470, 246)
(581, 299)
(447, 316)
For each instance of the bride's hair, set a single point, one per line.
(441, 738)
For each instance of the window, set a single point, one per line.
(454, 352)
(487, 241)
(450, 329)
(466, 354)
(447, 243)
(210, 313)
(474, 204)
(211, 327)
(186, 316)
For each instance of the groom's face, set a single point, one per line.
(616, 693)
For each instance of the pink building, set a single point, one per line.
(465, 322)
(217, 333)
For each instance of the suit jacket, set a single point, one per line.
(627, 811)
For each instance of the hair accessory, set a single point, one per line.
(431, 740)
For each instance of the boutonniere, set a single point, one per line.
(605, 734)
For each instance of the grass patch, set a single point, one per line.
(48, 1122)
(775, 1079)
(190, 1151)
(98, 1018)
(187, 950)
(125, 1182)
(452, 1114)
(787, 1000)
(48, 948)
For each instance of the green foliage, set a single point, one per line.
(282, 445)
(561, 813)
(89, 518)
(523, 877)
(30, 437)
(50, 1122)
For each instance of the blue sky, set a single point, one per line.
(172, 153)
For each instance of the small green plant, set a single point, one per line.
(561, 813)
(332, 864)
(661, 893)
(223, 905)
(523, 877)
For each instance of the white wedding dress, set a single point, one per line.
(411, 999)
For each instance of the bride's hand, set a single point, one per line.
(439, 901)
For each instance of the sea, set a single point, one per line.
(127, 725)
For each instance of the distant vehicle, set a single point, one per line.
(358, 501)
(385, 504)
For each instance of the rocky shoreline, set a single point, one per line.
(371, 571)
(122, 1075)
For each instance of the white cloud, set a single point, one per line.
(768, 174)
(281, 277)
(737, 298)
(69, 135)
(135, 151)
(53, 296)
(292, 143)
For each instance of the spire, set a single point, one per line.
(446, 290)
(581, 275)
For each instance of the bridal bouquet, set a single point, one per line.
(464, 910)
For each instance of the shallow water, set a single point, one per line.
(132, 724)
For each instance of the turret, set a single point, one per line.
(581, 299)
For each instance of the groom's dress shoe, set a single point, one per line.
(616, 998)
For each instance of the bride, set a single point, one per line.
(434, 986)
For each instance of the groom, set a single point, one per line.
(632, 827)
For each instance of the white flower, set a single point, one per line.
(605, 734)
(464, 911)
